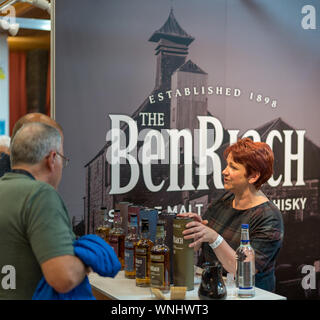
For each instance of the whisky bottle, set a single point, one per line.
(116, 237)
(129, 250)
(104, 228)
(142, 251)
(99, 230)
(160, 261)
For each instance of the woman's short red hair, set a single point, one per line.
(256, 157)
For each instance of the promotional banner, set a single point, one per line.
(150, 93)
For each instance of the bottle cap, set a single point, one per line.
(245, 226)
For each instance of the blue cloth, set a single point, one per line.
(95, 253)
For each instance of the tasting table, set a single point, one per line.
(121, 288)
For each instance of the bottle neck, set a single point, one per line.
(245, 236)
(160, 235)
(117, 220)
(145, 234)
(116, 224)
(133, 227)
(144, 229)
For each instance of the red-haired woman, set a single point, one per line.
(249, 165)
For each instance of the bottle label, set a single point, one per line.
(156, 275)
(178, 240)
(129, 244)
(129, 260)
(157, 258)
(141, 267)
(246, 277)
(142, 251)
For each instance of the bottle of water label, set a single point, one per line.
(246, 279)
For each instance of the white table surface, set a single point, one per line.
(121, 288)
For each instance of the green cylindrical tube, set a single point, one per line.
(183, 256)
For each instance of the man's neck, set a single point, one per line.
(34, 170)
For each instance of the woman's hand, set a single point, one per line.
(198, 230)
(200, 233)
(194, 216)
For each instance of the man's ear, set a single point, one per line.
(51, 160)
(254, 177)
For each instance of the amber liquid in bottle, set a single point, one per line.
(142, 250)
(160, 262)
(116, 238)
(104, 228)
(100, 232)
(129, 250)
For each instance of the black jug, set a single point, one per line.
(212, 286)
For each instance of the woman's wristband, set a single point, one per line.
(216, 243)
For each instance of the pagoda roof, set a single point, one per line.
(190, 66)
(171, 30)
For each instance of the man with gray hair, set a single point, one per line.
(36, 237)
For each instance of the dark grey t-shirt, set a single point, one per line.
(265, 230)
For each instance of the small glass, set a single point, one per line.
(231, 286)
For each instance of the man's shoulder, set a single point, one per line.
(24, 185)
(45, 191)
(21, 179)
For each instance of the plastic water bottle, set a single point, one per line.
(245, 265)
